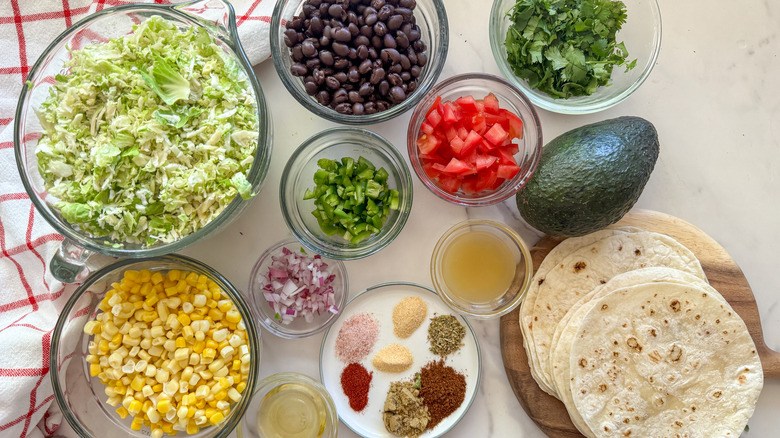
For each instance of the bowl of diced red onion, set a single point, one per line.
(295, 293)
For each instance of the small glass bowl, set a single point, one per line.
(641, 34)
(298, 328)
(336, 143)
(249, 425)
(430, 16)
(510, 98)
(82, 398)
(515, 292)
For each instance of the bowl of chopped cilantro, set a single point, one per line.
(140, 130)
(346, 193)
(575, 56)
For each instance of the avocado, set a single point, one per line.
(589, 177)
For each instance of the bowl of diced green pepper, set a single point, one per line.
(346, 193)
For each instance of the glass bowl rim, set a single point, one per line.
(435, 60)
(505, 229)
(289, 174)
(339, 269)
(427, 289)
(262, 156)
(296, 377)
(495, 196)
(253, 336)
(550, 104)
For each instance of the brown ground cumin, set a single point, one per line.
(442, 390)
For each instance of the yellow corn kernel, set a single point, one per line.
(216, 292)
(233, 316)
(181, 286)
(151, 300)
(240, 387)
(192, 278)
(187, 333)
(137, 423)
(174, 275)
(224, 305)
(236, 364)
(158, 387)
(138, 383)
(167, 428)
(216, 418)
(122, 412)
(94, 369)
(181, 342)
(146, 405)
(216, 314)
(132, 275)
(135, 407)
(192, 428)
(208, 353)
(163, 405)
(156, 278)
(221, 395)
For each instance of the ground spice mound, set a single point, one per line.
(408, 316)
(355, 382)
(404, 413)
(442, 389)
(393, 359)
(445, 334)
(356, 337)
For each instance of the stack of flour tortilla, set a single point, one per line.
(622, 326)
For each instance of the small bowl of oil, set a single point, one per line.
(481, 268)
(290, 405)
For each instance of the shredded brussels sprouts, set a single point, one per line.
(149, 136)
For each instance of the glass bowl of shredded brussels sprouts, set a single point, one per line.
(141, 130)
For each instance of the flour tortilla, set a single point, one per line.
(560, 252)
(664, 360)
(588, 267)
(568, 326)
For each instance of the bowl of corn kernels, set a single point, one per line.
(155, 347)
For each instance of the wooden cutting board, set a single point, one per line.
(722, 272)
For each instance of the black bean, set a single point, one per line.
(395, 68)
(384, 88)
(311, 88)
(370, 107)
(368, 11)
(315, 3)
(385, 12)
(406, 13)
(308, 49)
(343, 108)
(340, 49)
(319, 76)
(308, 10)
(315, 26)
(397, 94)
(324, 41)
(392, 54)
(327, 71)
(353, 75)
(377, 75)
(406, 76)
(341, 77)
(365, 89)
(340, 96)
(382, 105)
(411, 86)
(422, 59)
(297, 53)
(335, 10)
(371, 19)
(376, 4)
(332, 83)
(312, 63)
(395, 22)
(326, 57)
(364, 67)
(362, 52)
(389, 42)
(415, 71)
(288, 42)
(401, 39)
(361, 40)
(297, 24)
(352, 54)
(324, 9)
(299, 69)
(372, 53)
(406, 64)
(380, 29)
(413, 34)
(352, 18)
(407, 4)
(394, 79)
(349, 87)
(354, 30)
(358, 109)
(341, 63)
(377, 42)
(367, 31)
(354, 97)
(292, 35)
(342, 35)
(412, 55)
(406, 28)
(323, 97)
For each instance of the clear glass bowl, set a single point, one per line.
(336, 143)
(509, 97)
(641, 34)
(218, 17)
(298, 328)
(81, 398)
(509, 299)
(249, 428)
(431, 17)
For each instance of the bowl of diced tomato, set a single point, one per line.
(474, 139)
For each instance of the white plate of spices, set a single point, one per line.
(378, 363)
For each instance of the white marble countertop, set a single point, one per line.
(714, 97)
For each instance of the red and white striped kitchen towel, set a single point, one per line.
(30, 299)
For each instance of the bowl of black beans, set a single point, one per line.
(359, 61)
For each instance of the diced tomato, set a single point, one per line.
(434, 118)
(485, 161)
(439, 167)
(515, 124)
(449, 184)
(463, 132)
(485, 146)
(434, 107)
(505, 157)
(430, 171)
(451, 133)
(456, 146)
(507, 171)
(469, 184)
(496, 135)
(449, 113)
(427, 144)
(478, 124)
(456, 167)
(480, 106)
(471, 142)
(491, 104)
(467, 103)
(486, 180)
(512, 148)
(426, 128)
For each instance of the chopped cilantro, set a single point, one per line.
(566, 47)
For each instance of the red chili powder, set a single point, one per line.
(356, 337)
(355, 382)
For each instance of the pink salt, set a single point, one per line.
(356, 337)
